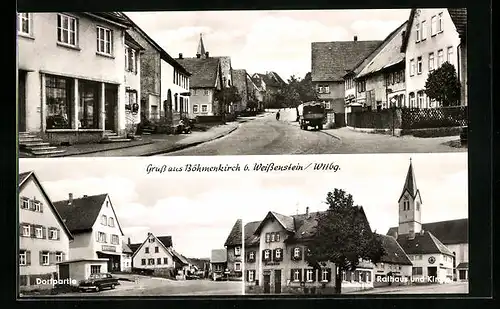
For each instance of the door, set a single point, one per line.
(277, 281)
(63, 271)
(110, 105)
(432, 272)
(267, 283)
(22, 101)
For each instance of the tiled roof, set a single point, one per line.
(448, 232)
(271, 79)
(134, 247)
(234, 238)
(81, 215)
(218, 256)
(181, 258)
(422, 243)
(126, 248)
(332, 60)
(394, 254)
(459, 18)
(23, 177)
(387, 55)
(463, 265)
(165, 240)
(200, 263)
(203, 70)
(250, 238)
(118, 17)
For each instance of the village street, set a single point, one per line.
(151, 286)
(448, 288)
(267, 136)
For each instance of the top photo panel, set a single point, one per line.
(111, 84)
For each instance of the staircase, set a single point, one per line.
(30, 143)
(112, 137)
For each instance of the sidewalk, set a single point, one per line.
(149, 145)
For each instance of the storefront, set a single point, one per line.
(113, 260)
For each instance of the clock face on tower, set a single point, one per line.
(432, 260)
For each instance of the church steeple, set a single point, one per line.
(201, 48)
(410, 205)
(410, 183)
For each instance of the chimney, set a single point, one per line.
(128, 241)
(307, 211)
(70, 198)
(85, 195)
(355, 38)
(206, 54)
(180, 55)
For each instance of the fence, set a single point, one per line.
(384, 119)
(415, 118)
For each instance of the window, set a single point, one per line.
(165, 260)
(24, 23)
(277, 236)
(146, 250)
(157, 249)
(296, 275)
(268, 237)
(251, 275)
(67, 30)
(111, 222)
(151, 240)
(421, 101)
(440, 22)
(440, 57)
(417, 32)
(204, 108)
(361, 86)
(25, 203)
(115, 240)
(151, 261)
(309, 275)
(433, 25)
(326, 89)
(59, 257)
(44, 258)
(431, 61)
(278, 254)
(416, 271)
(272, 237)
(104, 220)
(412, 67)
(449, 55)
(143, 261)
(23, 258)
(324, 275)
(39, 232)
(53, 234)
(296, 252)
(344, 275)
(412, 103)
(251, 256)
(158, 261)
(419, 65)
(26, 230)
(130, 60)
(37, 206)
(266, 254)
(58, 102)
(237, 251)
(195, 108)
(104, 41)
(101, 237)
(237, 266)
(423, 30)
(95, 269)
(206, 92)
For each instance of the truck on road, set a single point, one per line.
(311, 114)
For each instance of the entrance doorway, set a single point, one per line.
(63, 271)
(267, 283)
(432, 273)
(22, 101)
(110, 105)
(277, 281)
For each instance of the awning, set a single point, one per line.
(82, 260)
(109, 253)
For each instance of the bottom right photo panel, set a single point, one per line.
(382, 224)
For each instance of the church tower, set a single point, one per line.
(201, 48)
(410, 206)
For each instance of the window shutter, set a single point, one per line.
(291, 274)
(301, 254)
(41, 207)
(21, 229)
(32, 230)
(301, 275)
(44, 232)
(263, 255)
(40, 258)
(58, 234)
(329, 275)
(28, 257)
(273, 255)
(52, 258)
(248, 277)
(291, 255)
(314, 275)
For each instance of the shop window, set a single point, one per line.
(58, 101)
(88, 107)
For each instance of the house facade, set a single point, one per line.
(276, 258)
(269, 85)
(155, 254)
(395, 267)
(98, 235)
(126, 257)
(70, 75)
(44, 239)
(245, 91)
(431, 39)
(133, 51)
(218, 263)
(235, 251)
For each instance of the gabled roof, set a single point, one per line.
(331, 60)
(234, 238)
(388, 54)
(458, 16)
(167, 239)
(116, 18)
(463, 265)
(163, 54)
(129, 40)
(271, 79)
(448, 232)
(218, 256)
(134, 247)
(423, 243)
(23, 177)
(81, 215)
(126, 248)
(410, 184)
(286, 222)
(393, 254)
(179, 257)
(204, 71)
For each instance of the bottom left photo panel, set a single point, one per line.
(113, 227)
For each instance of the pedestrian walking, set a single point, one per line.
(278, 115)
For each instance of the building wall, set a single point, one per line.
(162, 253)
(463, 72)
(133, 81)
(447, 38)
(83, 246)
(126, 261)
(107, 210)
(376, 82)
(410, 220)
(336, 96)
(226, 69)
(444, 267)
(167, 83)
(203, 96)
(81, 270)
(47, 218)
(383, 269)
(41, 53)
(461, 251)
(232, 259)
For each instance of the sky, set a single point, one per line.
(199, 209)
(261, 41)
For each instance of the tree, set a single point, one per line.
(343, 237)
(224, 96)
(307, 91)
(443, 85)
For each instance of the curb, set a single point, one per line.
(189, 145)
(96, 151)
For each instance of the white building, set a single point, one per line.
(44, 239)
(154, 254)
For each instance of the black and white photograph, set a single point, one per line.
(276, 82)
(385, 224)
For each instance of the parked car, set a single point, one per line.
(220, 276)
(98, 281)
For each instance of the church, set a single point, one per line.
(439, 251)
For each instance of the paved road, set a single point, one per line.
(448, 288)
(266, 136)
(163, 287)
